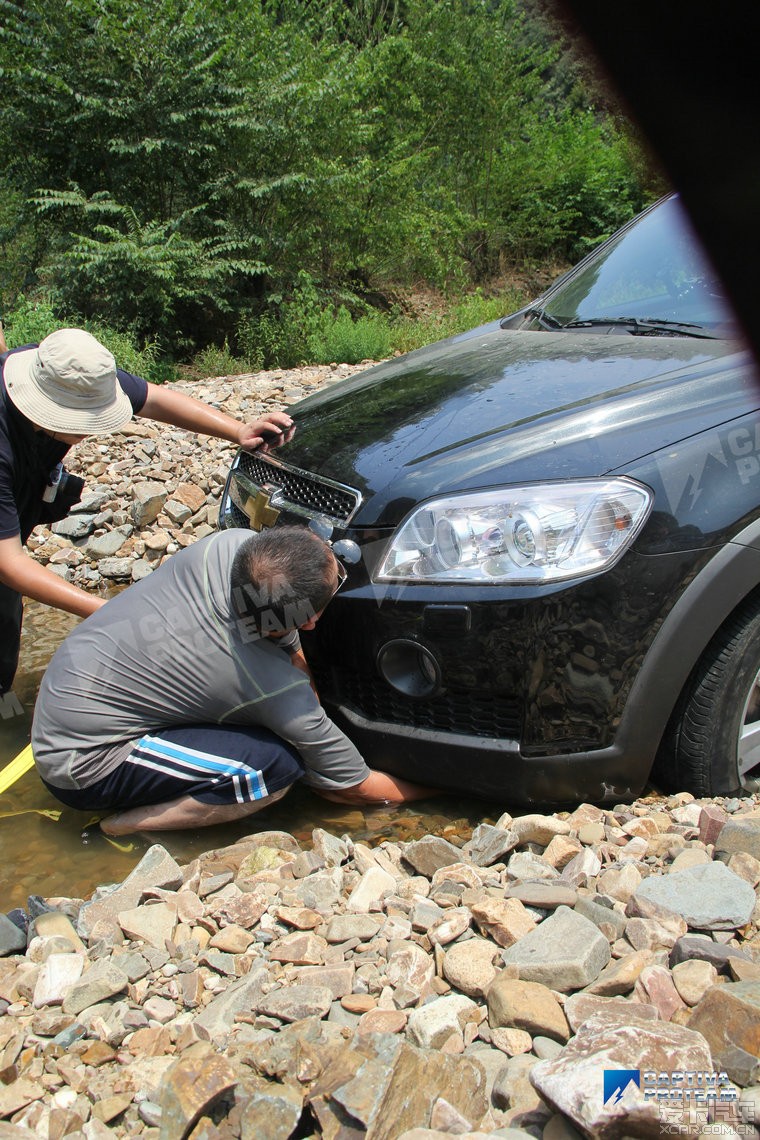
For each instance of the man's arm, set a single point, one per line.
(184, 411)
(379, 788)
(21, 573)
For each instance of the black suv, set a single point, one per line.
(559, 522)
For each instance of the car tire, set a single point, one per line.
(706, 748)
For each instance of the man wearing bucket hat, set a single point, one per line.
(53, 395)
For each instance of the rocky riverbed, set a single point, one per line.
(593, 973)
(588, 973)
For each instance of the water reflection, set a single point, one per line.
(49, 857)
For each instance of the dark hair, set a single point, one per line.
(280, 579)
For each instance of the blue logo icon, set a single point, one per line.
(616, 1081)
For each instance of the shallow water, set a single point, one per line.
(50, 857)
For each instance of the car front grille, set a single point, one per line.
(297, 491)
(459, 711)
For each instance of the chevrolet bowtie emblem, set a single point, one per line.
(259, 511)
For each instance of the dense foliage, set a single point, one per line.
(212, 172)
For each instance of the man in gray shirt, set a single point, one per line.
(187, 701)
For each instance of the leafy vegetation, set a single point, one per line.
(258, 178)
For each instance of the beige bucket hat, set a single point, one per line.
(68, 384)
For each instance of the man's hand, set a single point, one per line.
(272, 430)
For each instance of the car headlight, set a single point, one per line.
(540, 532)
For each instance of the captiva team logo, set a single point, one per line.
(616, 1081)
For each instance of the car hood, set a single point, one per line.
(502, 406)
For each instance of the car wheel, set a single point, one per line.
(712, 745)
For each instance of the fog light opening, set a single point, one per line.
(410, 668)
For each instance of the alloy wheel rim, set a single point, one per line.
(748, 750)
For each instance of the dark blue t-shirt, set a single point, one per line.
(27, 457)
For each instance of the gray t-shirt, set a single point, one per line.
(170, 651)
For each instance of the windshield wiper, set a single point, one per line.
(644, 326)
(546, 320)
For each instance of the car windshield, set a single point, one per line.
(653, 277)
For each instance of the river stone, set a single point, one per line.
(602, 916)
(12, 939)
(342, 927)
(152, 924)
(513, 1003)
(729, 1016)
(116, 568)
(545, 896)
(272, 1111)
(504, 920)
(394, 1088)
(525, 866)
(368, 894)
(241, 996)
(57, 974)
(451, 925)
(566, 952)
(431, 1025)
(693, 979)
(709, 897)
(410, 967)
(301, 948)
(572, 1082)
(157, 868)
(489, 844)
(580, 1007)
(190, 1089)
(292, 1003)
(620, 975)
(102, 981)
(148, 500)
(469, 966)
(741, 833)
(428, 855)
(539, 829)
(75, 526)
(338, 979)
(105, 545)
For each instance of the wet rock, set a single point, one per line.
(12, 940)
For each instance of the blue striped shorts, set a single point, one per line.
(237, 764)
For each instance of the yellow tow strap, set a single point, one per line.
(16, 769)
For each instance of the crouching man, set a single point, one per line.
(187, 701)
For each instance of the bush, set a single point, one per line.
(30, 321)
